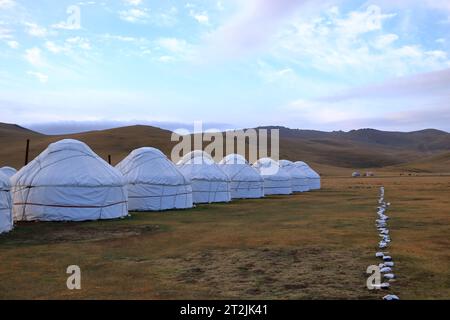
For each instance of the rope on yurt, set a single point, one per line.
(28, 189)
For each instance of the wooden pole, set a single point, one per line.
(109, 159)
(27, 151)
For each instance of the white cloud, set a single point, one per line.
(200, 17)
(385, 40)
(73, 21)
(165, 18)
(35, 30)
(66, 26)
(220, 5)
(122, 38)
(273, 75)
(133, 2)
(173, 44)
(135, 12)
(437, 54)
(13, 44)
(54, 48)
(34, 57)
(411, 51)
(347, 46)
(173, 49)
(322, 113)
(129, 45)
(5, 33)
(439, 4)
(416, 101)
(42, 78)
(359, 22)
(88, 3)
(368, 114)
(134, 15)
(68, 46)
(166, 59)
(250, 28)
(79, 42)
(6, 4)
(428, 84)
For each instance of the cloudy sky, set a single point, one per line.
(324, 65)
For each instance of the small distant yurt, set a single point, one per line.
(299, 179)
(154, 183)
(313, 176)
(68, 182)
(209, 182)
(246, 182)
(6, 221)
(8, 171)
(277, 180)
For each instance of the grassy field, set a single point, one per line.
(315, 245)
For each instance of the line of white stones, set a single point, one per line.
(386, 267)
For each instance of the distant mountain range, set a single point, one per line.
(419, 151)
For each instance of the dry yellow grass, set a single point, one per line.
(306, 246)
(330, 155)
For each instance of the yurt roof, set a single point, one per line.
(150, 166)
(271, 170)
(307, 169)
(148, 151)
(199, 165)
(234, 159)
(294, 171)
(8, 171)
(238, 169)
(196, 157)
(5, 185)
(300, 164)
(68, 163)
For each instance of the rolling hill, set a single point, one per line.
(365, 148)
(435, 164)
(116, 142)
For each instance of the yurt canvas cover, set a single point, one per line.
(8, 171)
(6, 221)
(68, 182)
(299, 180)
(209, 182)
(276, 179)
(154, 183)
(246, 182)
(313, 177)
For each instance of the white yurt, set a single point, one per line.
(276, 179)
(68, 182)
(209, 182)
(154, 183)
(299, 179)
(8, 171)
(6, 221)
(313, 176)
(246, 182)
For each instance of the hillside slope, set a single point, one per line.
(116, 142)
(365, 148)
(435, 164)
(426, 141)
